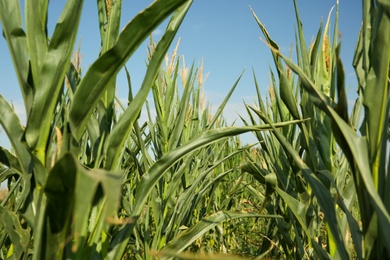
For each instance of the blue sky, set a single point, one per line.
(223, 33)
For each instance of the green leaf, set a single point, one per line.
(20, 237)
(9, 160)
(156, 171)
(11, 125)
(357, 145)
(286, 90)
(302, 43)
(320, 191)
(376, 96)
(199, 256)
(224, 102)
(299, 209)
(125, 124)
(11, 20)
(37, 40)
(189, 236)
(51, 78)
(106, 67)
(92, 186)
(179, 124)
(59, 189)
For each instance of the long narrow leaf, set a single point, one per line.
(95, 81)
(357, 145)
(188, 237)
(155, 173)
(37, 40)
(11, 124)
(51, 78)
(11, 20)
(122, 129)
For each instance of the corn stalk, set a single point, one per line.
(331, 179)
(81, 177)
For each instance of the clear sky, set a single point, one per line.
(222, 32)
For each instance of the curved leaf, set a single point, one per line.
(356, 144)
(11, 124)
(95, 81)
(19, 236)
(182, 241)
(11, 20)
(36, 35)
(51, 78)
(157, 170)
(125, 124)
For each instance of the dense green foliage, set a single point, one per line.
(332, 181)
(87, 178)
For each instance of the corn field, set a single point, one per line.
(87, 178)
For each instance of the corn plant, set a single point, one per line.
(86, 180)
(326, 179)
(189, 200)
(63, 175)
(196, 194)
